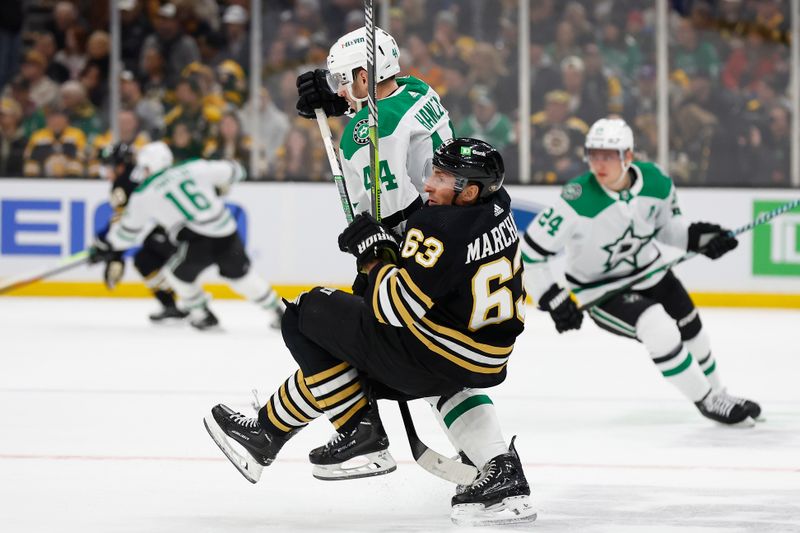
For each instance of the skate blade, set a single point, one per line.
(244, 463)
(369, 465)
(512, 510)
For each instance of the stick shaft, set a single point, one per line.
(333, 161)
(29, 278)
(763, 218)
(372, 104)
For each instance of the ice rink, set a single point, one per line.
(102, 430)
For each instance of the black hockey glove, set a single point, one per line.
(101, 251)
(368, 239)
(360, 284)
(711, 240)
(314, 92)
(562, 308)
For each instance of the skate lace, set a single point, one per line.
(336, 439)
(721, 403)
(486, 475)
(242, 420)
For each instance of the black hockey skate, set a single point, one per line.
(752, 408)
(724, 409)
(500, 495)
(168, 314)
(275, 323)
(360, 452)
(232, 431)
(203, 319)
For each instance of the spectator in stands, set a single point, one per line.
(777, 148)
(296, 159)
(233, 83)
(621, 54)
(770, 18)
(307, 14)
(12, 139)
(750, 62)
(575, 14)
(565, 45)
(42, 90)
(641, 112)
(486, 68)
(32, 115)
(485, 122)
(271, 126)
(692, 131)
(600, 84)
(544, 77)
(190, 118)
(80, 111)
(135, 29)
(556, 141)
(456, 99)
(449, 48)
(65, 15)
(149, 111)
(691, 55)
(421, 64)
(211, 47)
(542, 28)
(73, 56)
(588, 102)
(10, 41)
(45, 44)
(177, 48)
(57, 150)
(230, 142)
(154, 78)
(397, 25)
(237, 46)
(129, 133)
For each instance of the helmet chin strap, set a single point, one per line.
(625, 166)
(359, 101)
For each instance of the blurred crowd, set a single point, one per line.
(187, 66)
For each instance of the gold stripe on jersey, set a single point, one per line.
(376, 289)
(342, 420)
(457, 335)
(417, 292)
(468, 361)
(331, 401)
(289, 406)
(316, 378)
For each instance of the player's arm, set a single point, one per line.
(220, 174)
(709, 239)
(545, 237)
(125, 231)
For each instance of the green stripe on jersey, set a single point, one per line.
(463, 407)
(613, 321)
(142, 186)
(710, 369)
(680, 368)
(586, 196)
(654, 183)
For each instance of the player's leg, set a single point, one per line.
(638, 317)
(195, 254)
(234, 265)
(149, 261)
(501, 493)
(253, 443)
(338, 390)
(672, 295)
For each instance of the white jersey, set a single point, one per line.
(609, 237)
(411, 124)
(182, 196)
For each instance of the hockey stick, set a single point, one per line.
(333, 161)
(761, 219)
(372, 119)
(27, 279)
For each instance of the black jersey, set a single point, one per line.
(457, 292)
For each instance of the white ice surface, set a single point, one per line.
(101, 430)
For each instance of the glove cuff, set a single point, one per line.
(553, 297)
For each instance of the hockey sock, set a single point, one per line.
(339, 393)
(659, 333)
(470, 421)
(191, 295)
(291, 407)
(166, 298)
(255, 289)
(700, 349)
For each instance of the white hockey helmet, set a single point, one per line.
(610, 134)
(350, 53)
(154, 157)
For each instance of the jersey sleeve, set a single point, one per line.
(545, 237)
(125, 230)
(220, 174)
(671, 227)
(400, 294)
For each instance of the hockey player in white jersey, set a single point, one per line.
(610, 221)
(185, 200)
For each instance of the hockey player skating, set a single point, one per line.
(413, 123)
(429, 325)
(608, 221)
(118, 162)
(185, 199)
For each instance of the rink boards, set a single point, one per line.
(290, 231)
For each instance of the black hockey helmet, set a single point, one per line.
(122, 186)
(471, 160)
(118, 154)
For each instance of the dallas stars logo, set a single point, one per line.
(625, 249)
(361, 132)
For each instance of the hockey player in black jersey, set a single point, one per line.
(118, 163)
(440, 313)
